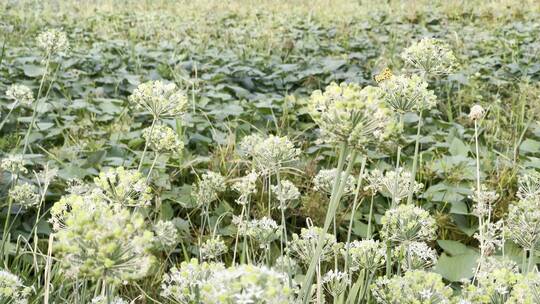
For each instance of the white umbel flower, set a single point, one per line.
(160, 99)
(21, 94)
(12, 289)
(430, 56)
(52, 41)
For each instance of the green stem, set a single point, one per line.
(355, 202)
(337, 192)
(531, 265)
(34, 114)
(146, 143)
(415, 159)
(370, 217)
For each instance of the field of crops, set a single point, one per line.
(269, 152)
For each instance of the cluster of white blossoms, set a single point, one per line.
(286, 264)
(431, 57)
(246, 186)
(417, 255)
(415, 286)
(325, 178)
(263, 231)
(98, 240)
(246, 147)
(395, 184)
(211, 283)
(522, 224)
(286, 192)
(52, 41)
(347, 113)
(335, 282)
(162, 138)
(303, 246)
(407, 93)
(484, 201)
(12, 289)
(123, 187)
(166, 235)
(526, 290)
(529, 186)
(13, 164)
(213, 249)
(272, 153)
(184, 284)
(495, 280)
(408, 223)
(20, 94)
(104, 300)
(368, 255)
(160, 99)
(26, 195)
(208, 188)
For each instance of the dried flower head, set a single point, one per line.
(52, 42)
(408, 223)
(346, 113)
(431, 57)
(123, 187)
(26, 195)
(21, 94)
(162, 138)
(325, 179)
(12, 289)
(405, 94)
(477, 112)
(160, 99)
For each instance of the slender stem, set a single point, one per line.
(370, 217)
(7, 116)
(146, 143)
(531, 265)
(349, 232)
(415, 159)
(34, 114)
(337, 192)
(152, 167)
